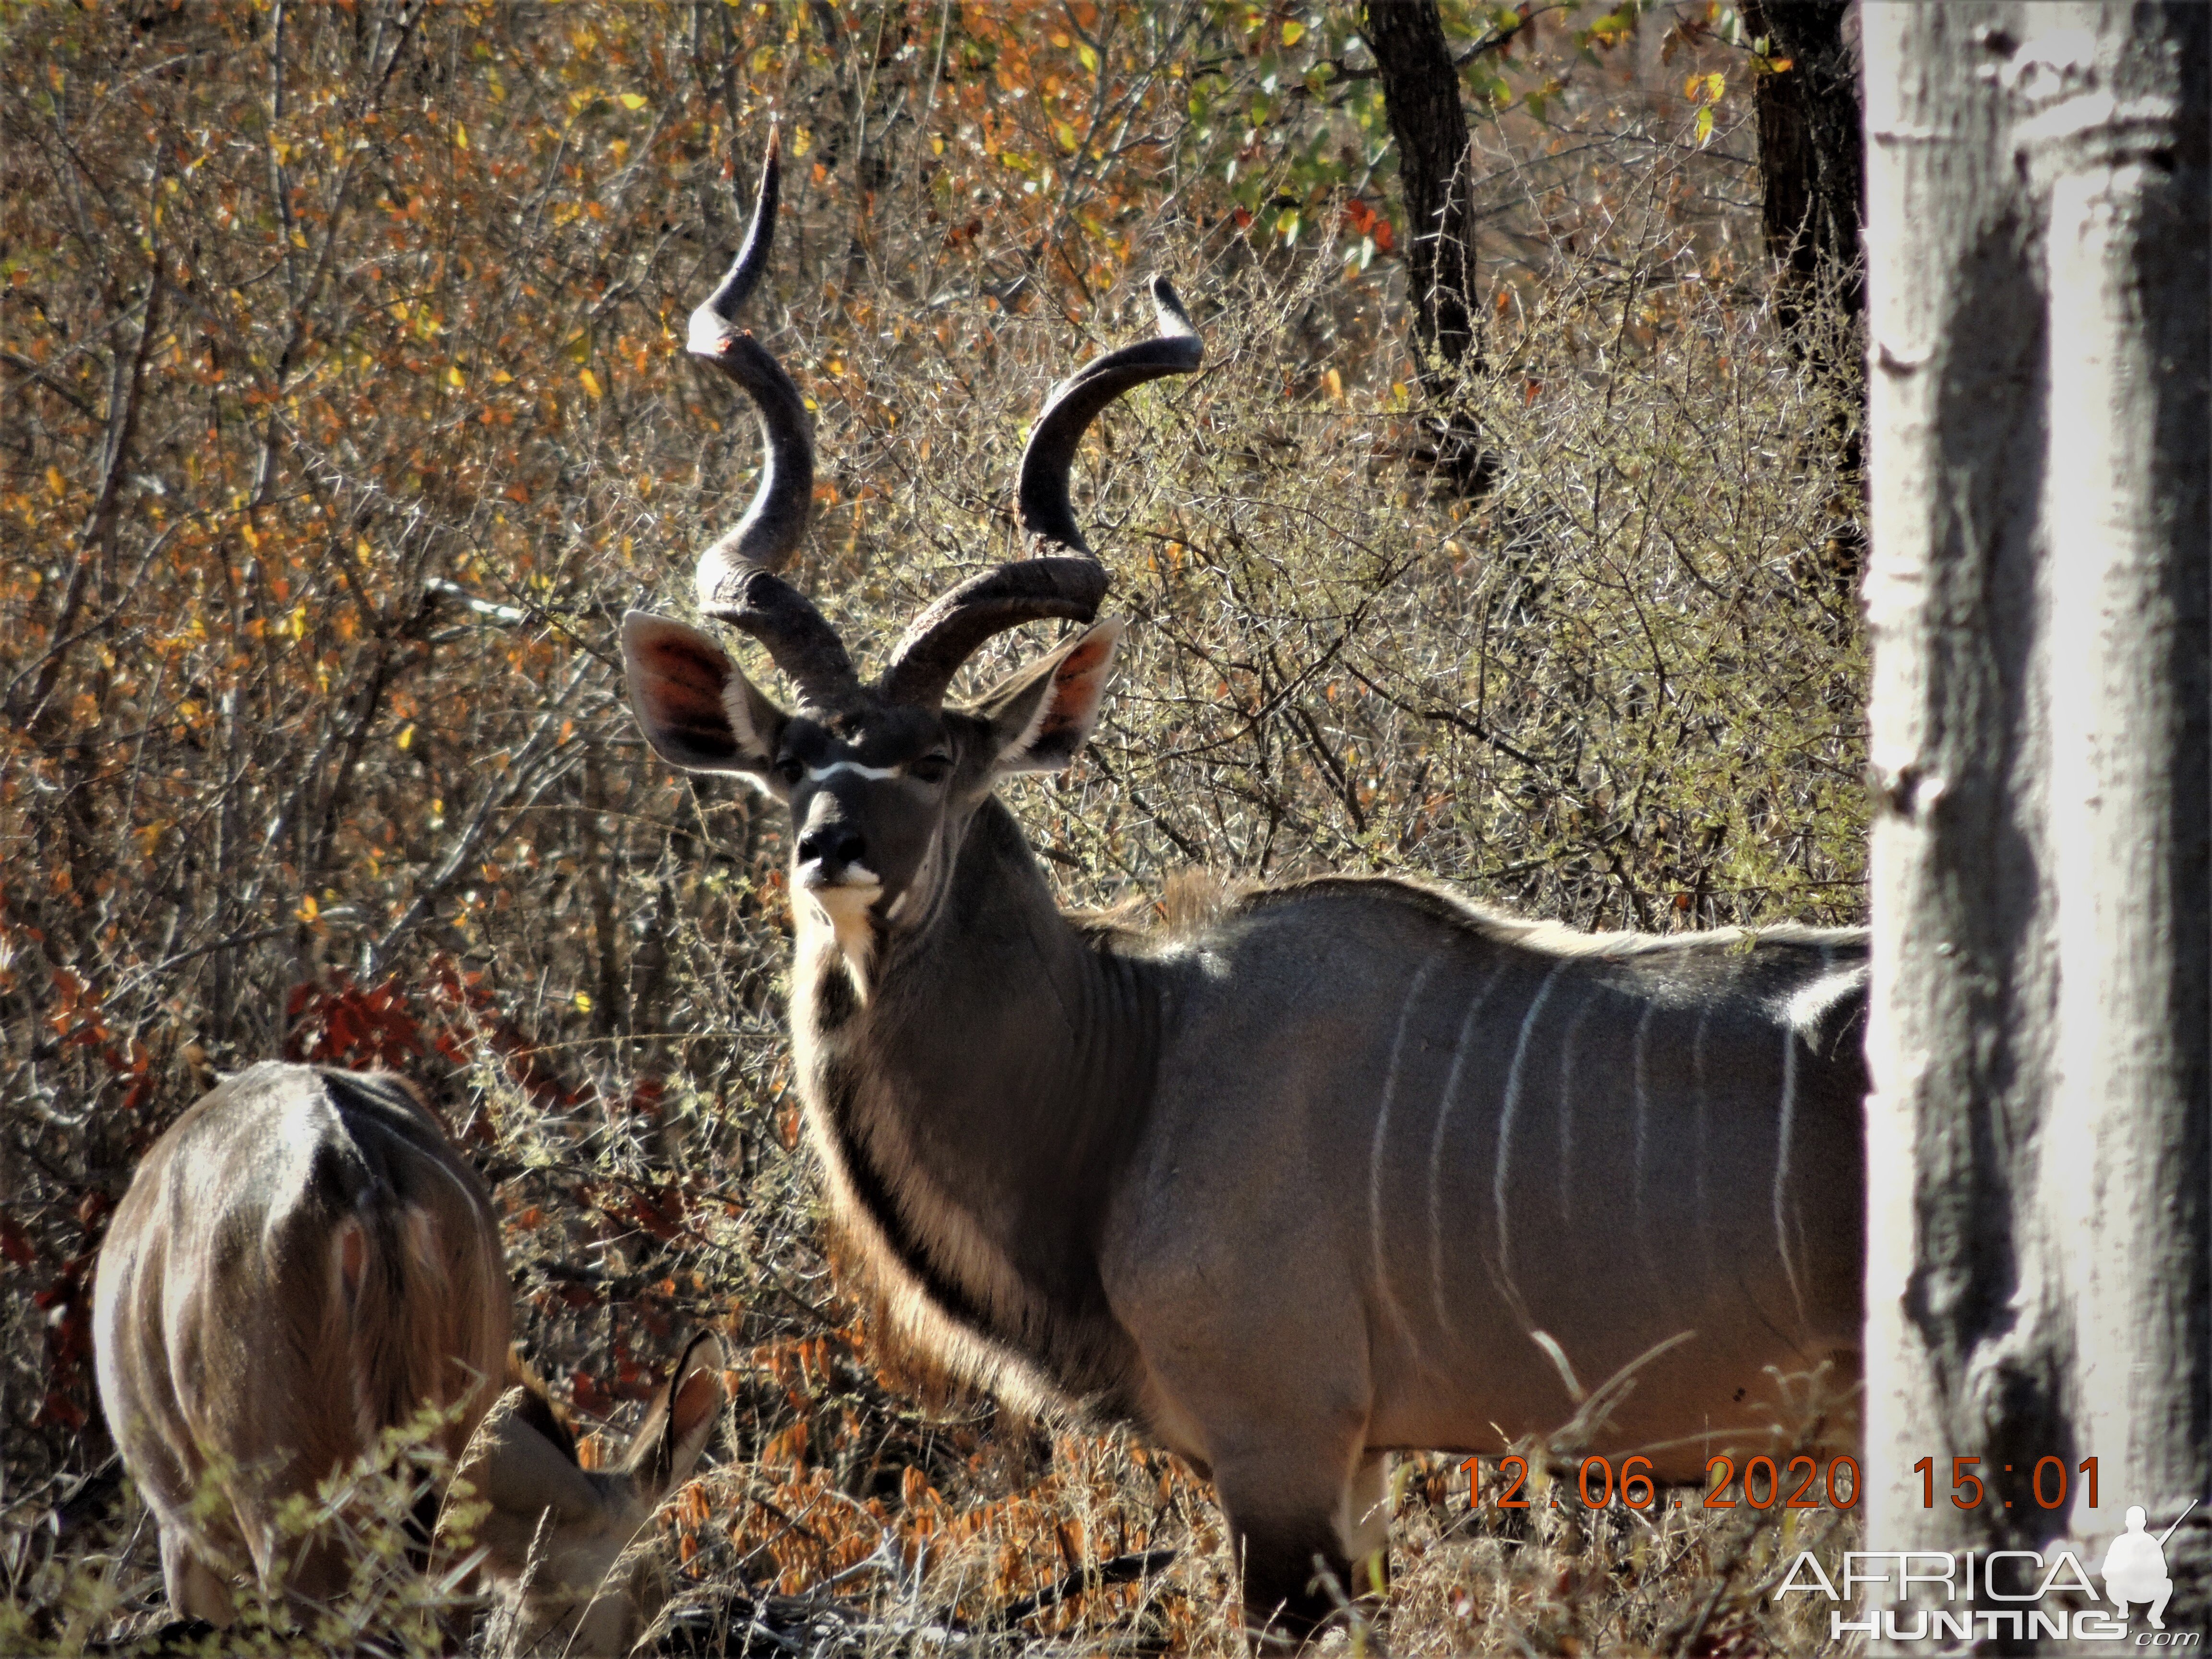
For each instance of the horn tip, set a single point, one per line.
(1167, 305)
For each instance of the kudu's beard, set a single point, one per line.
(840, 925)
(844, 909)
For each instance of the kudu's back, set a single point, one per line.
(302, 1262)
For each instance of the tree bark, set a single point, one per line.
(1421, 95)
(2040, 1250)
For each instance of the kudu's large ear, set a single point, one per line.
(1042, 717)
(698, 709)
(511, 1461)
(682, 1420)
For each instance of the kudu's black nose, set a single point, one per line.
(832, 845)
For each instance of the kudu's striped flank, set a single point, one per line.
(303, 1262)
(1349, 1167)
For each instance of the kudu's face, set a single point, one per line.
(880, 793)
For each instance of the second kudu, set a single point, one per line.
(303, 1262)
(1352, 1168)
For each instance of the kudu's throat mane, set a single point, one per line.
(1000, 1051)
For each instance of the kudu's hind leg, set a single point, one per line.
(195, 1590)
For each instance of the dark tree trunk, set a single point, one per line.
(1811, 161)
(1420, 91)
(1809, 150)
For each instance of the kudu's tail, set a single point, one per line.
(411, 1270)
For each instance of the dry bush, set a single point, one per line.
(343, 417)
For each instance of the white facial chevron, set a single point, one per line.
(820, 773)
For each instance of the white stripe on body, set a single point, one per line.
(1782, 1132)
(1506, 1118)
(1697, 1111)
(1642, 1138)
(1782, 1166)
(1567, 1104)
(1437, 1151)
(1374, 1150)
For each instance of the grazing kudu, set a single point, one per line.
(303, 1262)
(1350, 1167)
(563, 1542)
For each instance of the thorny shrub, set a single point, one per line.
(344, 415)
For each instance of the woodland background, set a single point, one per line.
(345, 414)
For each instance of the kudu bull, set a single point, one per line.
(1352, 1168)
(303, 1262)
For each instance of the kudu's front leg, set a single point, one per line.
(1299, 1506)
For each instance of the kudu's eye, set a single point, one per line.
(790, 770)
(932, 767)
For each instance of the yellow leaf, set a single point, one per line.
(406, 737)
(453, 376)
(632, 100)
(308, 910)
(460, 136)
(1715, 84)
(591, 381)
(1704, 122)
(56, 483)
(584, 1002)
(1293, 32)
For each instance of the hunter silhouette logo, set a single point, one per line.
(2134, 1567)
(2006, 1593)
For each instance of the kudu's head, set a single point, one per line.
(881, 779)
(567, 1546)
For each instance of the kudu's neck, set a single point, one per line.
(978, 1101)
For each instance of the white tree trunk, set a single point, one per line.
(2040, 1280)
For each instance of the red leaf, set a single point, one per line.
(58, 1408)
(589, 1396)
(16, 1244)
